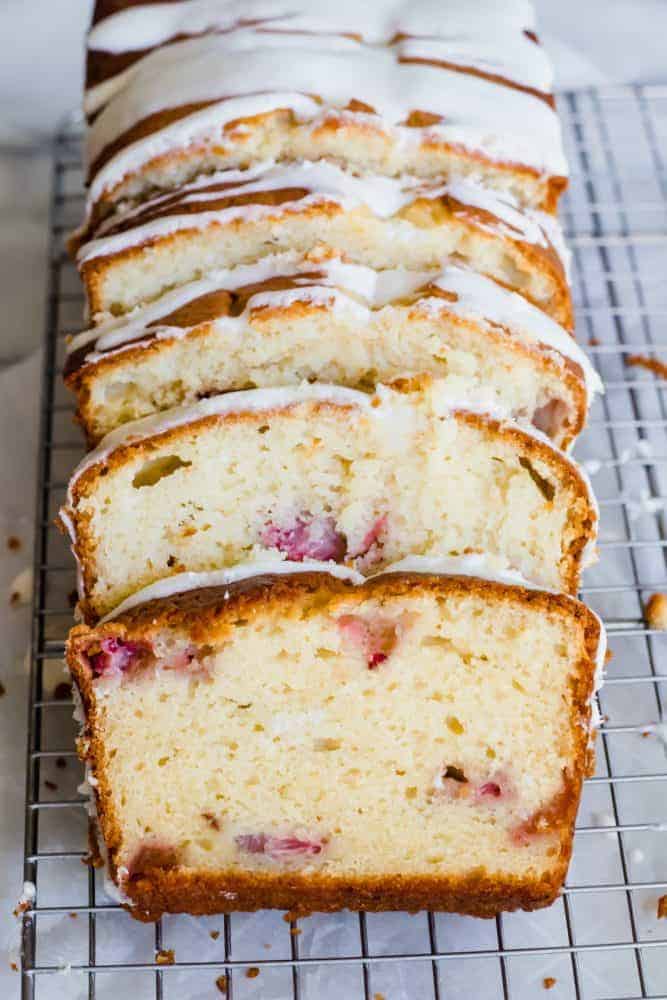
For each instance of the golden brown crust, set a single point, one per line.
(207, 615)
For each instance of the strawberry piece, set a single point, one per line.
(115, 656)
(372, 540)
(307, 538)
(277, 848)
(490, 788)
(375, 637)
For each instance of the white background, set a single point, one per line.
(592, 42)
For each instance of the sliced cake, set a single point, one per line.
(328, 473)
(453, 90)
(414, 741)
(290, 318)
(236, 217)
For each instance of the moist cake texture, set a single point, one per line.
(371, 758)
(327, 473)
(289, 317)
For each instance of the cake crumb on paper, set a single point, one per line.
(656, 612)
(549, 982)
(214, 935)
(20, 589)
(252, 972)
(221, 983)
(662, 908)
(166, 956)
(13, 543)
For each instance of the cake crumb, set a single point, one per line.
(74, 916)
(378, 996)
(20, 590)
(252, 972)
(27, 898)
(165, 956)
(221, 983)
(662, 908)
(3, 690)
(61, 763)
(548, 982)
(13, 543)
(593, 341)
(62, 691)
(214, 935)
(72, 598)
(13, 966)
(51, 785)
(295, 931)
(656, 612)
(658, 368)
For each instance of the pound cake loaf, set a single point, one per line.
(417, 740)
(237, 217)
(440, 90)
(290, 318)
(328, 473)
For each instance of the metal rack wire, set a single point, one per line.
(602, 939)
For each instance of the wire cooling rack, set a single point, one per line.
(602, 939)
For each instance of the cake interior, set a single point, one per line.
(327, 482)
(275, 346)
(348, 735)
(420, 236)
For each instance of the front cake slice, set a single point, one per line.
(323, 472)
(289, 318)
(309, 741)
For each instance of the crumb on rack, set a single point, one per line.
(214, 935)
(13, 966)
(295, 931)
(549, 982)
(13, 543)
(51, 785)
(221, 983)
(593, 341)
(658, 368)
(61, 763)
(662, 908)
(656, 612)
(165, 956)
(252, 972)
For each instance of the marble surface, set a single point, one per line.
(603, 41)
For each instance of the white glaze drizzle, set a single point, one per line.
(148, 25)
(508, 54)
(384, 196)
(505, 124)
(479, 298)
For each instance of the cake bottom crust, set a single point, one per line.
(201, 892)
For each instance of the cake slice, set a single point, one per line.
(310, 741)
(236, 217)
(289, 317)
(176, 90)
(322, 472)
